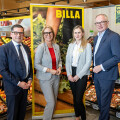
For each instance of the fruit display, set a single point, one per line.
(27, 41)
(1, 42)
(2, 95)
(29, 97)
(5, 23)
(6, 40)
(115, 102)
(90, 94)
(38, 25)
(88, 84)
(0, 76)
(3, 107)
(116, 90)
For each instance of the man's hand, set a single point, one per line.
(70, 78)
(29, 82)
(97, 69)
(75, 78)
(23, 85)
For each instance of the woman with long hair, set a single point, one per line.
(48, 65)
(78, 61)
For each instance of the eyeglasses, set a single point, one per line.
(16, 33)
(47, 33)
(102, 23)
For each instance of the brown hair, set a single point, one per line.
(83, 41)
(47, 26)
(16, 26)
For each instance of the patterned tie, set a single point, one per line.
(21, 58)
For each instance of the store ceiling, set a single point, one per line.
(15, 8)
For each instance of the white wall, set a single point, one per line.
(89, 19)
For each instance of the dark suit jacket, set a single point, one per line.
(11, 68)
(108, 54)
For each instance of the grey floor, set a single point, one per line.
(91, 115)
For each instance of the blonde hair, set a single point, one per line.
(47, 26)
(83, 41)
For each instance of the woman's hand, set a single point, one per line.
(58, 71)
(75, 78)
(70, 78)
(52, 71)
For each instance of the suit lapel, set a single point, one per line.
(103, 39)
(48, 56)
(14, 49)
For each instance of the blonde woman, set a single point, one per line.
(48, 65)
(78, 61)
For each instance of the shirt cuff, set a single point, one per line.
(102, 67)
(29, 78)
(18, 83)
(44, 69)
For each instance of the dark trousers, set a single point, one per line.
(16, 105)
(78, 88)
(104, 90)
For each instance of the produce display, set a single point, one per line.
(29, 97)
(88, 83)
(90, 94)
(3, 108)
(38, 24)
(27, 41)
(115, 102)
(1, 42)
(0, 76)
(5, 40)
(2, 95)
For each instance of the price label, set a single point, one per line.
(3, 34)
(95, 106)
(118, 114)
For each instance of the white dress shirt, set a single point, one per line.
(24, 54)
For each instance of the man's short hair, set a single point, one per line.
(17, 26)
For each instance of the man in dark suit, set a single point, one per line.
(16, 69)
(106, 58)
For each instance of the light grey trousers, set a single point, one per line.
(50, 91)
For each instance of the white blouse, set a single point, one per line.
(75, 55)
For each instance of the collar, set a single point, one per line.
(15, 43)
(101, 34)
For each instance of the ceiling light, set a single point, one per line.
(84, 0)
(53, 3)
(27, 8)
(5, 12)
(67, 1)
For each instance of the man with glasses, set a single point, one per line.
(106, 57)
(16, 69)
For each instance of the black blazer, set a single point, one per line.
(11, 68)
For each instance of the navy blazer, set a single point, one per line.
(108, 54)
(11, 68)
